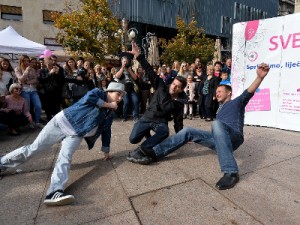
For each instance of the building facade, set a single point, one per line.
(297, 6)
(286, 7)
(215, 16)
(32, 18)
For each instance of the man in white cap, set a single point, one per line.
(89, 118)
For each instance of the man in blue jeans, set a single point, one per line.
(166, 105)
(88, 118)
(226, 135)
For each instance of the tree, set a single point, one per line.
(190, 43)
(90, 30)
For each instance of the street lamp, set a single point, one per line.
(128, 35)
(132, 34)
(123, 32)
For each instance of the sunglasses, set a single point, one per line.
(18, 89)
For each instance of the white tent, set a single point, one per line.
(13, 43)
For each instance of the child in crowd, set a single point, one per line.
(224, 77)
(190, 91)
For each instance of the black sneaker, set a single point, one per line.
(58, 198)
(137, 156)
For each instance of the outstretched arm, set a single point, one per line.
(262, 71)
(154, 79)
(135, 49)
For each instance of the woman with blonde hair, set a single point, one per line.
(183, 70)
(28, 74)
(208, 91)
(176, 66)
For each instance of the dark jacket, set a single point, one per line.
(212, 87)
(51, 83)
(162, 108)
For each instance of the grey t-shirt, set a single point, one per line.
(232, 113)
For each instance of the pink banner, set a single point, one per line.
(260, 101)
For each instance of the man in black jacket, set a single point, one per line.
(165, 105)
(51, 82)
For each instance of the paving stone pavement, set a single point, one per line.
(177, 190)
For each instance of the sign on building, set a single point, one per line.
(275, 41)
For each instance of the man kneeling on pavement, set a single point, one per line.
(225, 137)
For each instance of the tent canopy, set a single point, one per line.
(13, 43)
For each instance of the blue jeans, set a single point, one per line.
(34, 97)
(133, 97)
(50, 135)
(143, 127)
(222, 139)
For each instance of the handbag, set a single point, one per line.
(136, 88)
(79, 90)
(66, 92)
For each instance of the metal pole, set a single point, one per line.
(124, 34)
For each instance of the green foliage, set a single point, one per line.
(190, 43)
(90, 30)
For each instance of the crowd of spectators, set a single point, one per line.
(43, 84)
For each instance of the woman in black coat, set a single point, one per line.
(208, 92)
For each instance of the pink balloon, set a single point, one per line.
(251, 29)
(47, 53)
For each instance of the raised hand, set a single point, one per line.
(135, 49)
(262, 70)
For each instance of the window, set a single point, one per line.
(226, 24)
(47, 16)
(11, 12)
(52, 44)
(253, 10)
(237, 12)
(248, 13)
(265, 15)
(257, 14)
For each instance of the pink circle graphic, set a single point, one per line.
(252, 56)
(251, 29)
